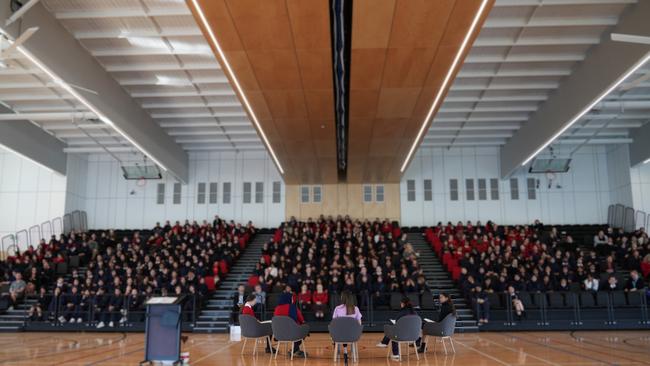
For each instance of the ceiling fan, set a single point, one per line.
(632, 38)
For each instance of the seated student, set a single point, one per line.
(287, 307)
(610, 285)
(482, 305)
(406, 308)
(635, 282)
(16, 290)
(248, 309)
(320, 299)
(348, 308)
(516, 302)
(55, 304)
(71, 307)
(238, 300)
(446, 307)
(35, 312)
(304, 298)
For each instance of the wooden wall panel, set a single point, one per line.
(344, 199)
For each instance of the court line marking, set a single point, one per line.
(524, 352)
(230, 343)
(563, 350)
(483, 353)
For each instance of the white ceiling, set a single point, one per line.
(521, 56)
(146, 45)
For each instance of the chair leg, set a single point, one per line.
(277, 349)
(426, 343)
(255, 347)
(292, 346)
(417, 357)
(451, 340)
(399, 351)
(336, 348)
(243, 346)
(356, 352)
(443, 344)
(390, 344)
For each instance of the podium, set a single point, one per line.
(163, 330)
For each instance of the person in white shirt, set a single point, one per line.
(591, 283)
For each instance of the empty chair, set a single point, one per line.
(285, 330)
(634, 298)
(344, 330)
(574, 286)
(602, 298)
(618, 299)
(252, 328)
(556, 300)
(495, 300)
(443, 330)
(540, 299)
(587, 299)
(405, 330)
(526, 300)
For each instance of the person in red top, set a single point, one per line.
(247, 309)
(286, 307)
(304, 298)
(320, 299)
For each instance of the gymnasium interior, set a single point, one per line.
(279, 182)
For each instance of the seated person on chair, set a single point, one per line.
(348, 308)
(287, 307)
(406, 309)
(446, 307)
(248, 309)
(238, 300)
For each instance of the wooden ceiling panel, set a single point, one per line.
(286, 103)
(325, 148)
(293, 129)
(320, 104)
(397, 103)
(460, 20)
(368, 68)
(242, 68)
(257, 101)
(218, 14)
(382, 148)
(420, 23)
(363, 103)
(407, 67)
(322, 129)
(301, 149)
(371, 23)
(261, 24)
(310, 23)
(388, 128)
(313, 65)
(276, 69)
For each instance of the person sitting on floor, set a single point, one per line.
(287, 307)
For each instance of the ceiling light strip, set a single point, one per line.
(446, 81)
(83, 100)
(216, 44)
(589, 107)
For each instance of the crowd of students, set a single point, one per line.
(318, 258)
(490, 258)
(121, 273)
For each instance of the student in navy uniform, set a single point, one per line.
(405, 310)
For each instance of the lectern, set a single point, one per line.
(163, 330)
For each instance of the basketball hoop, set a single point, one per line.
(141, 182)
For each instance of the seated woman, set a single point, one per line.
(406, 309)
(320, 299)
(516, 302)
(287, 307)
(248, 309)
(446, 307)
(348, 308)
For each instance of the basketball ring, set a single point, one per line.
(141, 182)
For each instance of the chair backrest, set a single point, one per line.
(395, 301)
(602, 297)
(495, 300)
(618, 298)
(345, 329)
(525, 299)
(587, 299)
(285, 328)
(634, 298)
(408, 328)
(74, 261)
(415, 299)
(448, 325)
(249, 326)
(427, 302)
(556, 299)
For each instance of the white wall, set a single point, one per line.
(618, 174)
(113, 202)
(77, 173)
(583, 198)
(29, 193)
(640, 181)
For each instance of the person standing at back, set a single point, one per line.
(349, 309)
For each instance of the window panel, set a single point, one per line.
(410, 190)
(247, 192)
(227, 187)
(379, 193)
(482, 189)
(259, 192)
(160, 194)
(213, 192)
(514, 189)
(277, 192)
(532, 192)
(469, 189)
(200, 194)
(304, 194)
(367, 193)
(177, 194)
(317, 194)
(453, 189)
(428, 190)
(494, 189)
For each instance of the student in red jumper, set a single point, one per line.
(247, 309)
(287, 307)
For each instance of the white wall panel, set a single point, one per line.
(583, 198)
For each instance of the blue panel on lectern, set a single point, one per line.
(163, 332)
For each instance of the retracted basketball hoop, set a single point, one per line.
(142, 181)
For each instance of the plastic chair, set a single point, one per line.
(252, 328)
(287, 331)
(443, 330)
(345, 330)
(405, 330)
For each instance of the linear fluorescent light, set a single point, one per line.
(443, 86)
(206, 25)
(591, 105)
(646, 161)
(83, 100)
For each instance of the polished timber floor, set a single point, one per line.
(522, 348)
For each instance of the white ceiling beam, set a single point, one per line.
(19, 71)
(559, 21)
(529, 57)
(217, 140)
(513, 108)
(198, 80)
(214, 123)
(33, 97)
(462, 143)
(159, 116)
(95, 150)
(464, 74)
(521, 118)
(80, 134)
(505, 98)
(135, 12)
(536, 41)
(208, 132)
(193, 93)
(145, 51)
(524, 85)
(190, 105)
(58, 126)
(165, 32)
(465, 135)
(594, 141)
(135, 67)
(224, 148)
(45, 116)
(622, 105)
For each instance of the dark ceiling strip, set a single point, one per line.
(341, 30)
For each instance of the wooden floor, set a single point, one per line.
(527, 348)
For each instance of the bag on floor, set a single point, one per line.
(235, 333)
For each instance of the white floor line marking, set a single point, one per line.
(482, 353)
